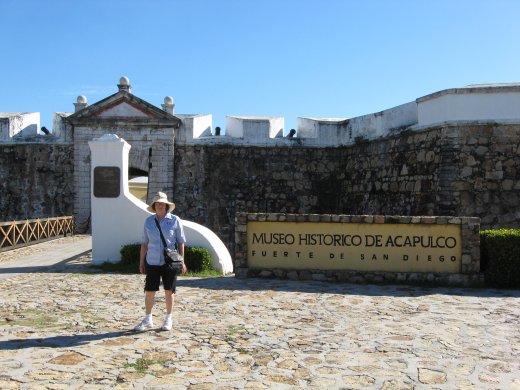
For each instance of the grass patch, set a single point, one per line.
(235, 329)
(38, 319)
(234, 332)
(141, 365)
(43, 319)
(207, 273)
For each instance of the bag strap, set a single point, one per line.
(160, 231)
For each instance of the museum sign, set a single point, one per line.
(355, 246)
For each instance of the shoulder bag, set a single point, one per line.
(171, 257)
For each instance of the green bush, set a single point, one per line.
(196, 259)
(129, 263)
(500, 257)
(130, 254)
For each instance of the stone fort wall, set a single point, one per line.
(36, 180)
(471, 170)
(444, 170)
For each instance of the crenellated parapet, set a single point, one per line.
(479, 104)
(61, 128)
(246, 130)
(254, 128)
(483, 103)
(24, 127)
(17, 125)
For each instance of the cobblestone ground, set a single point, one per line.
(70, 329)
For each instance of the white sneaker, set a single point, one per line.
(167, 324)
(144, 325)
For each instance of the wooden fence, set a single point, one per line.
(16, 234)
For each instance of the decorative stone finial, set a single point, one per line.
(169, 105)
(81, 103)
(124, 84)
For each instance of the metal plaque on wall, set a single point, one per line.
(107, 182)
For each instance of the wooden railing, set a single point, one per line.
(16, 234)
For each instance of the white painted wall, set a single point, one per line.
(60, 127)
(254, 129)
(20, 124)
(30, 124)
(119, 221)
(319, 131)
(200, 236)
(202, 126)
(115, 221)
(193, 127)
(344, 131)
(469, 104)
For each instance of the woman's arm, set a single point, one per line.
(180, 249)
(142, 257)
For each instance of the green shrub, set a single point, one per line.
(129, 263)
(500, 257)
(198, 260)
(130, 254)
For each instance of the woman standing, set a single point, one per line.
(151, 259)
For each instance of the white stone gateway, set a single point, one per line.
(117, 216)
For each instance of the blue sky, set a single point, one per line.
(290, 58)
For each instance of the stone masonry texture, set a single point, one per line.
(453, 170)
(232, 333)
(36, 181)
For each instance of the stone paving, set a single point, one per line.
(70, 328)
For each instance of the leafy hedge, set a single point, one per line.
(196, 259)
(130, 254)
(500, 257)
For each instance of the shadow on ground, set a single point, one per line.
(60, 341)
(311, 286)
(73, 266)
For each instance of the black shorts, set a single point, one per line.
(154, 274)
